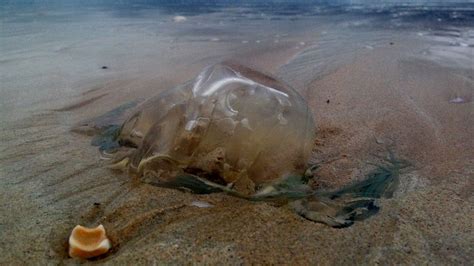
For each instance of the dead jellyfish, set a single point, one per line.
(231, 126)
(235, 130)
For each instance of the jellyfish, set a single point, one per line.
(233, 129)
(231, 125)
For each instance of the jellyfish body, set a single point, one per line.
(235, 130)
(229, 124)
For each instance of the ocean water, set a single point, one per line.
(51, 48)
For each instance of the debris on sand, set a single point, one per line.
(458, 100)
(201, 204)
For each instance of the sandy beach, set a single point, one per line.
(390, 91)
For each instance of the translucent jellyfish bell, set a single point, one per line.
(231, 124)
(235, 130)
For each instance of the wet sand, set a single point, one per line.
(53, 179)
(384, 98)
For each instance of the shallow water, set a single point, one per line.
(69, 42)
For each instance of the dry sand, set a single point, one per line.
(52, 179)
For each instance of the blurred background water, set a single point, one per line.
(52, 46)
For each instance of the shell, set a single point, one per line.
(88, 242)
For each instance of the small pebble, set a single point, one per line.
(201, 204)
(458, 100)
(104, 67)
